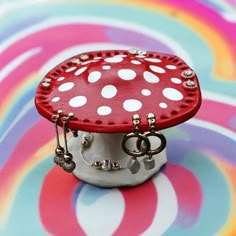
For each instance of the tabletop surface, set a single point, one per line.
(194, 194)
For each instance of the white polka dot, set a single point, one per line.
(71, 69)
(97, 58)
(157, 69)
(114, 59)
(171, 67)
(146, 92)
(172, 94)
(104, 110)
(126, 74)
(55, 99)
(61, 78)
(81, 70)
(176, 80)
(152, 59)
(88, 62)
(135, 62)
(132, 105)
(163, 105)
(109, 91)
(106, 67)
(94, 76)
(66, 86)
(150, 77)
(78, 101)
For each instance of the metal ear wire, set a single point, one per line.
(59, 151)
(68, 165)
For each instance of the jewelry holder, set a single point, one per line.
(115, 103)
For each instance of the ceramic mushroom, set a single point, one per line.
(116, 103)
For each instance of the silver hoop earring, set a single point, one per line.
(134, 164)
(148, 161)
(59, 150)
(68, 165)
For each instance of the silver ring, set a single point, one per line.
(158, 149)
(138, 152)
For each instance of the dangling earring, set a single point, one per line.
(134, 164)
(59, 151)
(148, 161)
(68, 165)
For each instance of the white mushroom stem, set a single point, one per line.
(108, 147)
(105, 146)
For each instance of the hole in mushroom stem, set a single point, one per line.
(175, 60)
(99, 54)
(184, 68)
(44, 102)
(150, 55)
(58, 71)
(108, 54)
(125, 123)
(174, 112)
(69, 63)
(48, 106)
(180, 64)
(54, 74)
(184, 105)
(98, 122)
(116, 53)
(63, 67)
(86, 120)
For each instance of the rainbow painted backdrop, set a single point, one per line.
(195, 194)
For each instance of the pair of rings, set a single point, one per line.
(143, 144)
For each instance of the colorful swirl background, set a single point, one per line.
(195, 194)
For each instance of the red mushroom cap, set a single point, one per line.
(104, 89)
